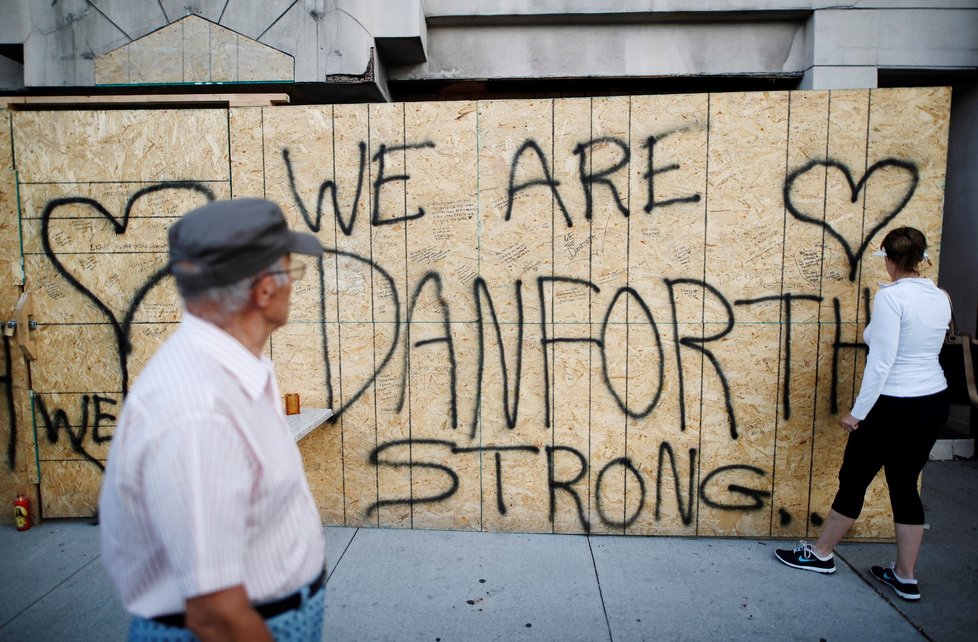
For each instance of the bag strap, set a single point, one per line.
(953, 327)
(966, 347)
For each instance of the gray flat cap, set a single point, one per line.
(226, 241)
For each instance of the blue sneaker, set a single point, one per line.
(906, 590)
(804, 557)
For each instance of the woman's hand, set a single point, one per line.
(849, 423)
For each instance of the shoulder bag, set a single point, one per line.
(959, 359)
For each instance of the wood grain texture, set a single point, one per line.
(635, 315)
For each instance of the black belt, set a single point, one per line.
(268, 610)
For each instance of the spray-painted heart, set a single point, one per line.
(853, 256)
(120, 328)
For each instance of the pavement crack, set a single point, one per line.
(340, 558)
(600, 593)
(885, 597)
(49, 591)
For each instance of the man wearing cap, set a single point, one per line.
(209, 529)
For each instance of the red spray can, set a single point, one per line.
(22, 512)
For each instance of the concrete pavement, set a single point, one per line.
(442, 586)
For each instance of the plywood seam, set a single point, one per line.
(552, 402)
(783, 315)
(591, 497)
(407, 319)
(628, 351)
(373, 317)
(818, 346)
(227, 121)
(264, 174)
(869, 117)
(478, 270)
(339, 327)
(702, 357)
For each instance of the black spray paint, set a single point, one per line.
(854, 256)
(7, 383)
(753, 499)
(57, 421)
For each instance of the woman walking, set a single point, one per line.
(901, 407)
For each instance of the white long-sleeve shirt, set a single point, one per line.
(905, 335)
(205, 489)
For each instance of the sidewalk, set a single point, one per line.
(443, 586)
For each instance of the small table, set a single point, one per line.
(307, 420)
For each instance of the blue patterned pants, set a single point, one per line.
(304, 624)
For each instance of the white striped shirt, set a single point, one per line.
(204, 488)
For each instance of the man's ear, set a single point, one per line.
(262, 291)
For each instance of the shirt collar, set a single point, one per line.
(909, 279)
(251, 372)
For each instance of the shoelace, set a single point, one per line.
(807, 550)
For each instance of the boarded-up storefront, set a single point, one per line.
(632, 315)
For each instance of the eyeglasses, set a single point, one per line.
(296, 271)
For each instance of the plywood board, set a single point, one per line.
(441, 268)
(668, 226)
(70, 488)
(843, 214)
(567, 297)
(356, 403)
(807, 135)
(247, 131)
(16, 464)
(157, 57)
(636, 315)
(195, 35)
(744, 256)
(71, 146)
(516, 228)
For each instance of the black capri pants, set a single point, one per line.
(897, 436)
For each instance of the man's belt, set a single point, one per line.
(267, 610)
